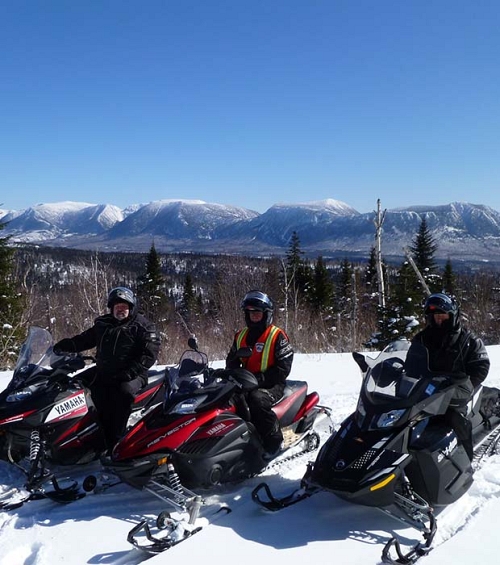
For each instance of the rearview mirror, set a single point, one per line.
(193, 343)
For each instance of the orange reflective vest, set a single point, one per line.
(262, 352)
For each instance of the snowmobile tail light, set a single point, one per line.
(388, 419)
(383, 483)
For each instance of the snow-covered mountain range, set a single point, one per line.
(464, 232)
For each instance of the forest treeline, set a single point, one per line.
(324, 305)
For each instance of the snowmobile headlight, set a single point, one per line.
(189, 405)
(388, 419)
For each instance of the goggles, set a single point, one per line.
(438, 304)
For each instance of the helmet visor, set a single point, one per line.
(257, 300)
(439, 304)
(121, 294)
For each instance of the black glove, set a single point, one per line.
(260, 378)
(122, 377)
(220, 373)
(64, 346)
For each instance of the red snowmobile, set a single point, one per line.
(47, 417)
(202, 436)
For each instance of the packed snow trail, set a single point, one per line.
(94, 530)
(328, 525)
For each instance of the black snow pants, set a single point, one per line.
(264, 419)
(113, 402)
(456, 415)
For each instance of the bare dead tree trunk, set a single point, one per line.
(354, 315)
(286, 291)
(378, 221)
(417, 271)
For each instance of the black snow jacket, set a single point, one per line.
(457, 352)
(125, 349)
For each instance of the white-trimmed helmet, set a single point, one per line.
(122, 294)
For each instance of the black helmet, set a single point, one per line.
(122, 294)
(442, 303)
(261, 301)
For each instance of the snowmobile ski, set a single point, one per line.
(274, 504)
(177, 530)
(420, 550)
(15, 497)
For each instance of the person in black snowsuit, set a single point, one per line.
(456, 351)
(271, 362)
(127, 345)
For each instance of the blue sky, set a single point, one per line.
(250, 103)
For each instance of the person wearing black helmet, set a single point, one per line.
(127, 345)
(455, 350)
(271, 362)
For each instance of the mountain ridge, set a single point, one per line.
(463, 231)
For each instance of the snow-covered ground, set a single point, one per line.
(321, 529)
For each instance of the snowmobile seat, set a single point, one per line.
(288, 405)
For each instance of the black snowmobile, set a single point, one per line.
(397, 452)
(47, 417)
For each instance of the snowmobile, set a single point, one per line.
(397, 451)
(47, 417)
(202, 436)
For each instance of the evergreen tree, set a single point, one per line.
(344, 287)
(404, 304)
(423, 249)
(449, 278)
(347, 306)
(11, 307)
(321, 295)
(189, 304)
(151, 288)
(299, 273)
(370, 275)
(294, 254)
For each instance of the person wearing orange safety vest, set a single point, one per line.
(271, 363)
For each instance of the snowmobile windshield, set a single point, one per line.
(34, 356)
(396, 374)
(188, 376)
(399, 345)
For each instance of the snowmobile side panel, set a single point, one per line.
(440, 470)
(230, 453)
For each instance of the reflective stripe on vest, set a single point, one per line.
(268, 338)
